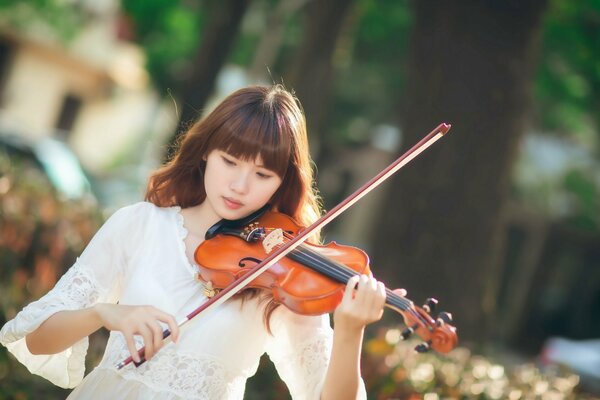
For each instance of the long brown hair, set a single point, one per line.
(265, 121)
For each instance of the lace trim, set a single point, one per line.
(308, 361)
(188, 376)
(77, 288)
(314, 355)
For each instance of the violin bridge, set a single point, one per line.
(208, 289)
(272, 240)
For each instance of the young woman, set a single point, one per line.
(137, 277)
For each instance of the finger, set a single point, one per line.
(376, 295)
(157, 334)
(146, 334)
(373, 284)
(381, 297)
(400, 292)
(382, 293)
(131, 347)
(362, 289)
(174, 328)
(170, 321)
(349, 291)
(363, 282)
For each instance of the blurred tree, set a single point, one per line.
(169, 32)
(371, 68)
(218, 36)
(272, 37)
(471, 64)
(218, 22)
(568, 78)
(310, 69)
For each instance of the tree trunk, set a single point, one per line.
(470, 64)
(272, 37)
(218, 36)
(310, 72)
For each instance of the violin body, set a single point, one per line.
(227, 257)
(310, 279)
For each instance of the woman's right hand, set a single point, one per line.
(138, 320)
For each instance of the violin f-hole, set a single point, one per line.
(242, 261)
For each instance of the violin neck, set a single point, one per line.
(338, 272)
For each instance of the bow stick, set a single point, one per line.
(284, 249)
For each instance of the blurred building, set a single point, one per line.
(93, 92)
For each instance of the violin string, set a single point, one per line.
(330, 268)
(346, 273)
(338, 271)
(342, 273)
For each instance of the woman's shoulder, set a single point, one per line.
(143, 207)
(142, 212)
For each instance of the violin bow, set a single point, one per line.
(281, 251)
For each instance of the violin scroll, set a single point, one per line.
(438, 334)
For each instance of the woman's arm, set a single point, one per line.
(63, 329)
(358, 308)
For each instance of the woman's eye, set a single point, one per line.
(228, 161)
(263, 175)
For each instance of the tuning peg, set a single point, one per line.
(406, 333)
(423, 347)
(444, 318)
(430, 305)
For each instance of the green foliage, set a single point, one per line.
(169, 32)
(585, 200)
(54, 19)
(243, 52)
(568, 79)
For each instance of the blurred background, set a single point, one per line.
(500, 220)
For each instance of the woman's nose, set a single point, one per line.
(240, 184)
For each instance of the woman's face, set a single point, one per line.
(236, 188)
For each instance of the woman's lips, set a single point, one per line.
(231, 203)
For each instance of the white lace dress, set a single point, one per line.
(138, 257)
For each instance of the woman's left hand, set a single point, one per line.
(362, 304)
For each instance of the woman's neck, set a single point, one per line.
(199, 218)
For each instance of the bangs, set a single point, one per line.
(251, 133)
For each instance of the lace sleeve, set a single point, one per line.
(300, 348)
(93, 278)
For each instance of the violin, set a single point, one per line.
(310, 279)
(280, 239)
